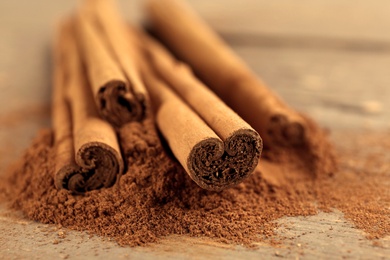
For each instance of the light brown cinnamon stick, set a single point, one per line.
(87, 152)
(216, 147)
(119, 93)
(108, 19)
(223, 71)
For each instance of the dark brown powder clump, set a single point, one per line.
(156, 198)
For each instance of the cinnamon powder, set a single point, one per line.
(156, 198)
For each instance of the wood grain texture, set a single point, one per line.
(272, 37)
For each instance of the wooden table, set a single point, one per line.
(328, 58)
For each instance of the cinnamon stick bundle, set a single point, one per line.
(214, 62)
(216, 147)
(87, 151)
(120, 95)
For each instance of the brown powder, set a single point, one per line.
(361, 188)
(156, 198)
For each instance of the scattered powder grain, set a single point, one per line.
(156, 198)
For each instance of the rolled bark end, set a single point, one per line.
(216, 165)
(118, 106)
(284, 132)
(64, 174)
(99, 167)
(294, 134)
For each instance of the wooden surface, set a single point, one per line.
(328, 58)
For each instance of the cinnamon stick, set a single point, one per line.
(119, 93)
(223, 71)
(87, 152)
(216, 147)
(108, 19)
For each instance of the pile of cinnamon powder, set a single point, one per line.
(156, 198)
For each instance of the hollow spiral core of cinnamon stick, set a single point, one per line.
(215, 165)
(117, 105)
(99, 168)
